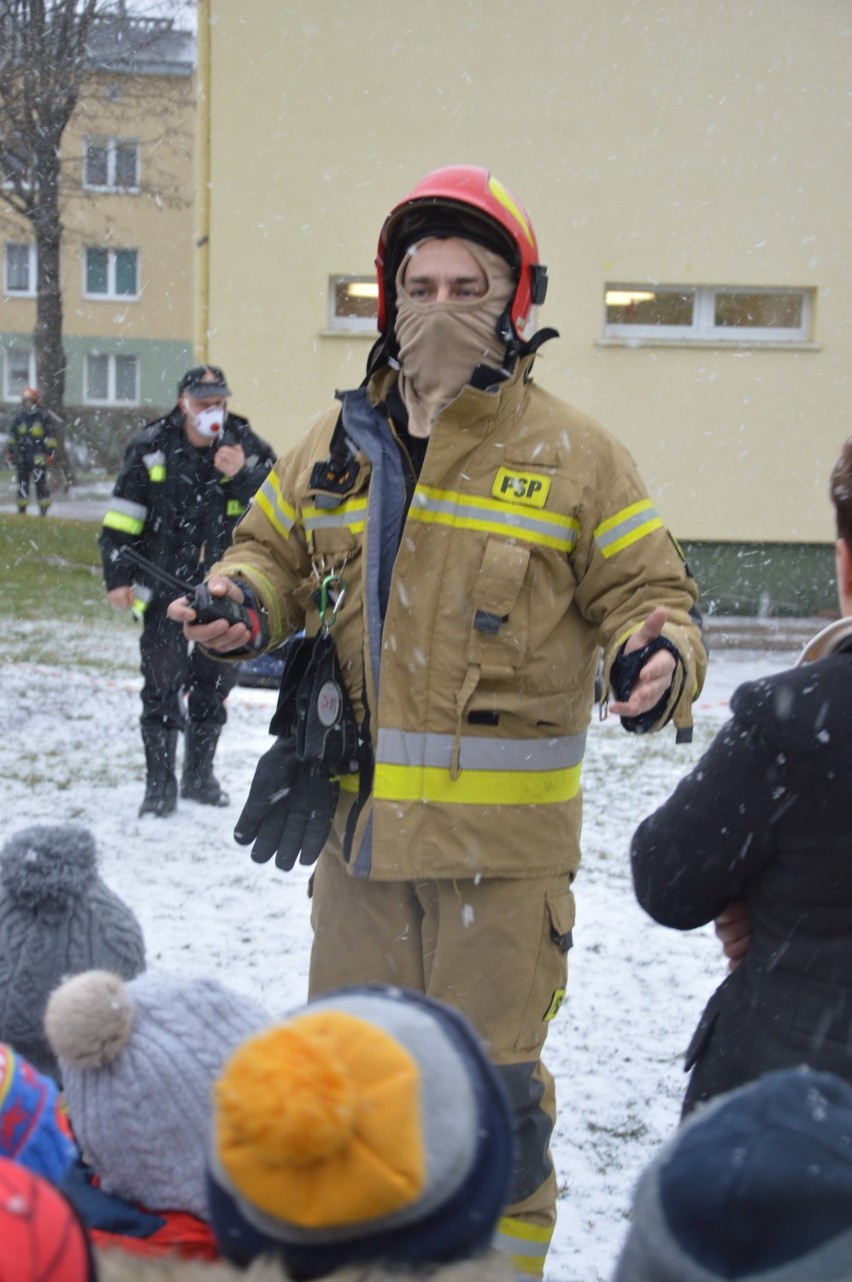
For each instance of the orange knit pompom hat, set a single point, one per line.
(370, 1125)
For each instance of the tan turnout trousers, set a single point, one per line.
(496, 950)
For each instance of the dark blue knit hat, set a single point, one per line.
(370, 1126)
(755, 1185)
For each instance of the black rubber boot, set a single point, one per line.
(198, 782)
(160, 784)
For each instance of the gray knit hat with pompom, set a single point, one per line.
(138, 1061)
(57, 918)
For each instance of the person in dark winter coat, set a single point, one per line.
(760, 834)
(57, 918)
(31, 447)
(185, 482)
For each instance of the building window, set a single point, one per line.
(19, 372)
(353, 304)
(19, 269)
(111, 164)
(716, 314)
(17, 166)
(112, 273)
(111, 379)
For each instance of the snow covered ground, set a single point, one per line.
(71, 751)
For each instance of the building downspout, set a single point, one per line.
(202, 184)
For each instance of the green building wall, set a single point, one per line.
(771, 579)
(161, 363)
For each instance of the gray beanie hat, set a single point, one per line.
(756, 1186)
(57, 918)
(138, 1061)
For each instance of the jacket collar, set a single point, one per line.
(837, 636)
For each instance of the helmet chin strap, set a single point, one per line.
(517, 348)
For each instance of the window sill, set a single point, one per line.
(722, 345)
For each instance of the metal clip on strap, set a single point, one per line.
(326, 615)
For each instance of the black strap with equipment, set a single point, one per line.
(295, 788)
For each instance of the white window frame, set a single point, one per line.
(111, 359)
(703, 329)
(14, 393)
(24, 184)
(112, 146)
(110, 296)
(30, 292)
(351, 324)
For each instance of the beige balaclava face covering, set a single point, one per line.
(441, 343)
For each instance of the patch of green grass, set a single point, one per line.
(51, 569)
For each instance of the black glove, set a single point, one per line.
(289, 809)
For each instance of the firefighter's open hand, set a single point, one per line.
(655, 676)
(733, 928)
(220, 635)
(289, 809)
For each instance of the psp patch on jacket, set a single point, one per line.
(531, 488)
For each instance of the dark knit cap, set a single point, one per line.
(57, 918)
(756, 1186)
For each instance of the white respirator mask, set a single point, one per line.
(208, 423)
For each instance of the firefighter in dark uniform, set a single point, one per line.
(31, 448)
(185, 482)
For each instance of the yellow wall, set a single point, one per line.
(158, 221)
(671, 140)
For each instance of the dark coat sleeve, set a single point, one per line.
(699, 850)
(133, 485)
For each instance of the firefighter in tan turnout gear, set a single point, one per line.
(470, 543)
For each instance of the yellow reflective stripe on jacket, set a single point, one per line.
(627, 526)
(127, 517)
(494, 516)
(280, 515)
(349, 516)
(524, 1244)
(510, 772)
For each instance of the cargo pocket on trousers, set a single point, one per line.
(549, 982)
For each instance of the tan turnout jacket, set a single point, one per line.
(529, 543)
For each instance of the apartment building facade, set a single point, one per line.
(128, 221)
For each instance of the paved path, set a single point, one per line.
(83, 503)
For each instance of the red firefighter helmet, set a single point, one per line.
(31, 394)
(467, 201)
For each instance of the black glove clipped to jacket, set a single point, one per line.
(289, 809)
(295, 789)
